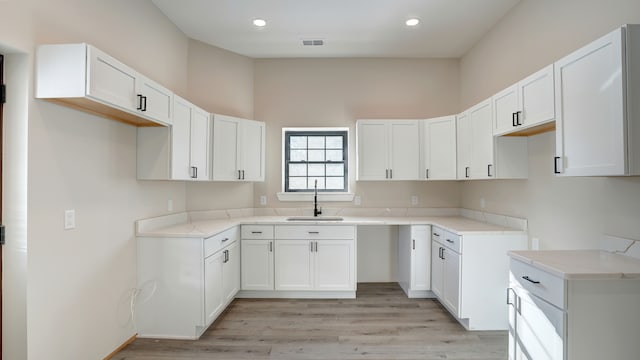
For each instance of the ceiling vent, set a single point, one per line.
(312, 42)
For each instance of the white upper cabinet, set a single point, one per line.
(81, 76)
(483, 156)
(525, 105)
(180, 151)
(388, 149)
(597, 88)
(438, 148)
(238, 149)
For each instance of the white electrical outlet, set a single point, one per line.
(357, 200)
(69, 219)
(414, 200)
(482, 203)
(169, 205)
(535, 244)
(263, 200)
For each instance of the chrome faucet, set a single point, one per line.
(316, 211)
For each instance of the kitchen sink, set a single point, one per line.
(315, 218)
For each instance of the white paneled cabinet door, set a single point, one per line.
(213, 286)
(463, 145)
(180, 140)
(372, 150)
(200, 130)
(539, 329)
(505, 107)
(438, 148)
(293, 265)
(156, 100)
(225, 148)
(437, 269)
(404, 152)
(252, 150)
(420, 255)
(257, 264)
(590, 133)
(481, 119)
(451, 275)
(231, 272)
(536, 99)
(110, 81)
(334, 268)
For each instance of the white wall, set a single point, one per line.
(562, 212)
(337, 92)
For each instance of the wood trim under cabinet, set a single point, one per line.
(106, 111)
(124, 345)
(535, 130)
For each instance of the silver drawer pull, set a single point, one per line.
(450, 241)
(225, 239)
(530, 280)
(314, 232)
(256, 232)
(435, 234)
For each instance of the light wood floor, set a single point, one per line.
(381, 323)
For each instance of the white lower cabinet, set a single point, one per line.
(185, 283)
(414, 255)
(469, 275)
(294, 264)
(552, 318)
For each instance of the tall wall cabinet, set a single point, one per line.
(238, 149)
(438, 148)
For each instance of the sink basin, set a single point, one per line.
(315, 218)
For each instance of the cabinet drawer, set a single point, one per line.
(257, 232)
(216, 242)
(448, 239)
(542, 284)
(437, 234)
(315, 232)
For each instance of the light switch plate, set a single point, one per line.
(263, 200)
(69, 219)
(169, 205)
(357, 200)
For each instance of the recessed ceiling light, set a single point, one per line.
(412, 22)
(259, 22)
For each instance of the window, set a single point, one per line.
(315, 155)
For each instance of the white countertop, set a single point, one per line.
(206, 228)
(581, 264)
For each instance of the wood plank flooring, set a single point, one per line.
(381, 323)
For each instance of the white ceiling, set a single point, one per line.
(349, 28)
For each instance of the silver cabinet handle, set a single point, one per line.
(194, 172)
(316, 246)
(270, 246)
(414, 244)
(311, 245)
(450, 241)
(386, 173)
(256, 232)
(390, 173)
(436, 234)
(526, 277)
(225, 239)
(314, 232)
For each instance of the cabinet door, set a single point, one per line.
(535, 98)
(482, 141)
(293, 265)
(213, 286)
(505, 107)
(372, 150)
(110, 81)
(180, 140)
(441, 148)
(252, 151)
(437, 270)
(199, 150)
(404, 151)
(334, 266)
(257, 264)
(225, 147)
(231, 273)
(512, 303)
(156, 101)
(463, 145)
(539, 329)
(451, 275)
(589, 94)
(420, 256)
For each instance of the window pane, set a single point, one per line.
(298, 155)
(297, 169)
(334, 155)
(297, 183)
(298, 142)
(334, 142)
(316, 142)
(316, 155)
(334, 170)
(335, 183)
(320, 182)
(316, 169)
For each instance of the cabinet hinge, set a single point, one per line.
(3, 94)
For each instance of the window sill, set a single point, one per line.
(308, 196)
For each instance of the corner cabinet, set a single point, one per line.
(238, 149)
(388, 149)
(185, 283)
(83, 77)
(598, 122)
(414, 255)
(469, 275)
(180, 151)
(438, 148)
